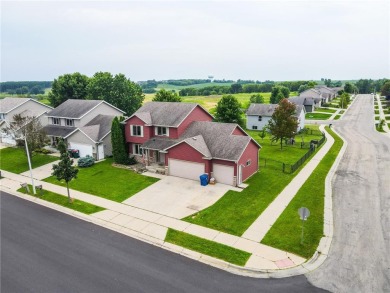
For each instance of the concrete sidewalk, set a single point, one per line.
(139, 223)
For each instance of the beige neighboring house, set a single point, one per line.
(9, 107)
(85, 125)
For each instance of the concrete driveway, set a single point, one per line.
(177, 197)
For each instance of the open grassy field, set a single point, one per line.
(104, 180)
(285, 233)
(211, 248)
(200, 85)
(15, 160)
(236, 211)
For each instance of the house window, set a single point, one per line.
(248, 163)
(137, 150)
(69, 122)
(254, 127)
(136, 130)
(260, 118)
(56, 121)
(162, 131)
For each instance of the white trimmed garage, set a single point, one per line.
(185, 169)
(84, 149)
(223, 174)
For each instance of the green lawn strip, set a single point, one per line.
(104, 180)
(15, 160)
(211, 248)
(317, 116)
(285, 234)
(337, 117)
(77, 205)
(326, 110)
(236, 211)
(341, 111)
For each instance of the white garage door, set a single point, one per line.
(84, 149)
(223, 174)
(185, 169)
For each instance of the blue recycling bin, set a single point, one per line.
(204, 179)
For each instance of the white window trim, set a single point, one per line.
(248, 163)
(140, 149)
(54, 119)
(71, 120)
(132, 133)
(156, 131)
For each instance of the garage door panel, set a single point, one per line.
(83, 148)
(186, 169)
(223, 174)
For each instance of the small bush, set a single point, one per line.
(43, 151)
(132, 161)
(85, 162)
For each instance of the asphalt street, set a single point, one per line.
(359, 257)
(43, 250)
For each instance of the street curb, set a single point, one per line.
(313, 263)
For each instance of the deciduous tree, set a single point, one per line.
(65, 170)
(283, 123)
(166, 96)
(257, 99)
(228, 110)
(68, 86)
(385, 90)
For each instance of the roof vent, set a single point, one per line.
(194, 138)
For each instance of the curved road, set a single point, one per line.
(43, 250)
(359, 259)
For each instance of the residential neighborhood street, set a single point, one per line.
(359, 257)
(43, 250)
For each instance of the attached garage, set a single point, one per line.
(186, 169)
(84, 149)
(223, 174)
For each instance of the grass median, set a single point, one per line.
(77, 205)
(207, 247)
(285, 234)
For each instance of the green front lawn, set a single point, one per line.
(326, 110)
(104, 180)
(376, 112)
(285, 234)
(211, 248)
(317, 116)
(15, 160)
(337, 117)
(236, 211)
(77, 205)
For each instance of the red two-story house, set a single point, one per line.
(182, 138)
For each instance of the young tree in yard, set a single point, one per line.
(166, 96)
(263, 132)
(68, 86)
(283, 123)
(65, 170)
(228, 110)
(118, 142)
(257, 99)
(344, 100)
(27, 129)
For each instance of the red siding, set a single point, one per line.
(198, 114)
(136, 139)
(251, 152)
(238, 131)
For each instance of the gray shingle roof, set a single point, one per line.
(198, 143)
(312, 93)
(166, 113)
(74, 108)
(305, 101)
(7, 104)
(159, 143)
(261, 109)
(103, 122)
(59, 131)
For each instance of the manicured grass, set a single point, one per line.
(211, 248)
(341, 111)
(326, 110)
(104, 180)
(317, 116)
(376, 112)
(285, 234)
(77, 205)
(15, 160)
(337, 117)
(236, 211)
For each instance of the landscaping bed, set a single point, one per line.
(104, 180)
(285, 234)
(211, 248)
(77, 205)
(15, 160)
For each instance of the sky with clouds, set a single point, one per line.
(262, 40)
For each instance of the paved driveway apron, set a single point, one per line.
(177, 197)
(359, 257)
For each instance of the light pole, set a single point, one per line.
(29, 164)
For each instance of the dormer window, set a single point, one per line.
(56, 121)
(161, 131)
(69, 122)
(136, 130)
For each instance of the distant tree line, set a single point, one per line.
(185, 82)
(367, 86)
(24, 87)
(149, 86)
